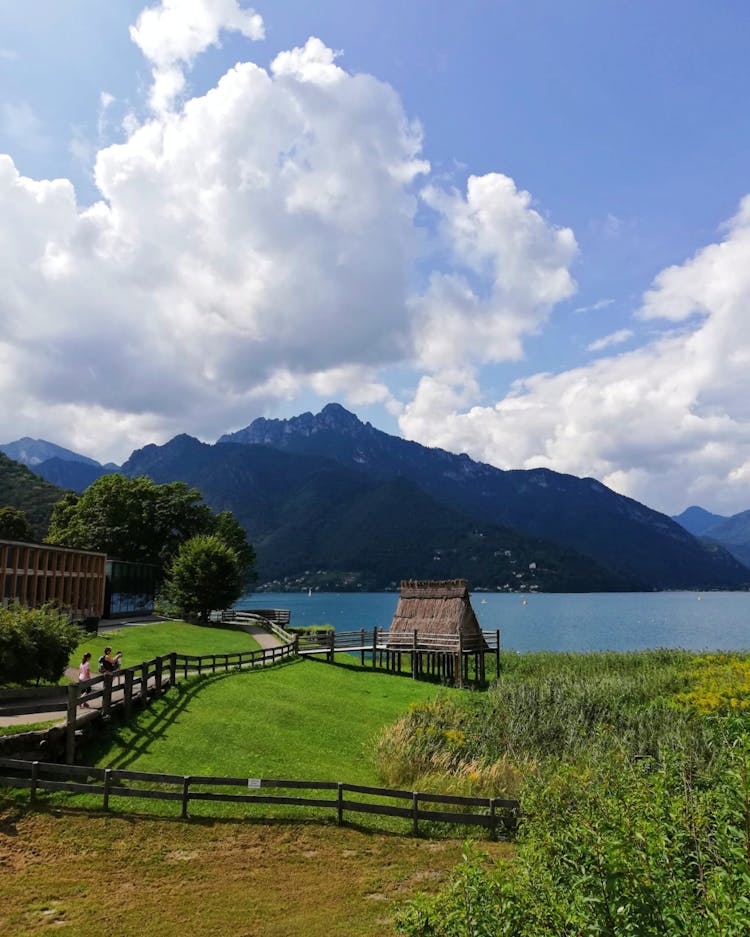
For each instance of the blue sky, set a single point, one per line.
(582, 304)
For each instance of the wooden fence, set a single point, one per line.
(446, 657)
(132, 686)
(488, 812)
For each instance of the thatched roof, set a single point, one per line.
(435, 610)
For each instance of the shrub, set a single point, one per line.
(35, 644)
(617, 847)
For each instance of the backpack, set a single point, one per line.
(102, 665)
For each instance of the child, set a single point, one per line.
(84, 674)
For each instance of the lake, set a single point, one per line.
(561, 622)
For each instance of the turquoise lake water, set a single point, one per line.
(561, 622)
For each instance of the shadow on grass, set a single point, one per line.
(367, 668)
(151, 725)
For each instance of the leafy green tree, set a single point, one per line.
(35, 644)
(227, 528)
(130, 518)
(14, 525)
(205, 574)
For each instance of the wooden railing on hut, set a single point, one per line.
(447, 657)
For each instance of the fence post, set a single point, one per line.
(374, 645)
(414, 813)
(331, 645)
(296, 645)
(497, 654)
(185, 786)
(340, 803)
(107, 694)
(158, 674)
(414, 655)
(34, 780)
(74, 692)
(493, 819)
(128, 692)
(173, 668)
(107, 782)
(144, 683)
(362, 647)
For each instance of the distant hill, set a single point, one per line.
(733, 533)
(21, 488)
(76, 476)
(314, 522)
(697, 520)
(635, 543)
(57, 465)
(33, 452)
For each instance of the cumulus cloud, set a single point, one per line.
(668, 423)
(512, 268)
(174, 32)
(259, 239)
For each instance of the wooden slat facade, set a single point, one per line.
(37, 574)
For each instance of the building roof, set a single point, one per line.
(436, 608)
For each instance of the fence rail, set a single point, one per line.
(491, 813)
(397, 641)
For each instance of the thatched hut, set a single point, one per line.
(441, 615)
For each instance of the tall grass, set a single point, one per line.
(634, 780)
(549, 706)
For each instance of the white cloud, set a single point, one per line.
(258, 240)
(608, 341)
(174, 32)
(668, 423)
(513, 269)
(595, 307)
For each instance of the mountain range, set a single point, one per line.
(55, 464)
(330, 501)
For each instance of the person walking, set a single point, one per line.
(84, 674)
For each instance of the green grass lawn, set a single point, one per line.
(142, 642)
(304, 720)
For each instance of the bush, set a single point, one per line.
(618, 848)
(35, 644)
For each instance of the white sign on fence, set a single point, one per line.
(253, 784)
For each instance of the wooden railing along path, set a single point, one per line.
(130, 686)
(488, 812)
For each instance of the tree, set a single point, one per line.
(205, 574)
(228, 528)
(130, 518)
(35, 644)
(14, 525)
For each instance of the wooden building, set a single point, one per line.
(37, 574)
(435, 623)
(438, 611)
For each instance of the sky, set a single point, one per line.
(518, 229)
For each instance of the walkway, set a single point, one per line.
(263, 638)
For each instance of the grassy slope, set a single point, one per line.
(305, 720)
(142, 642)
(286, 877)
